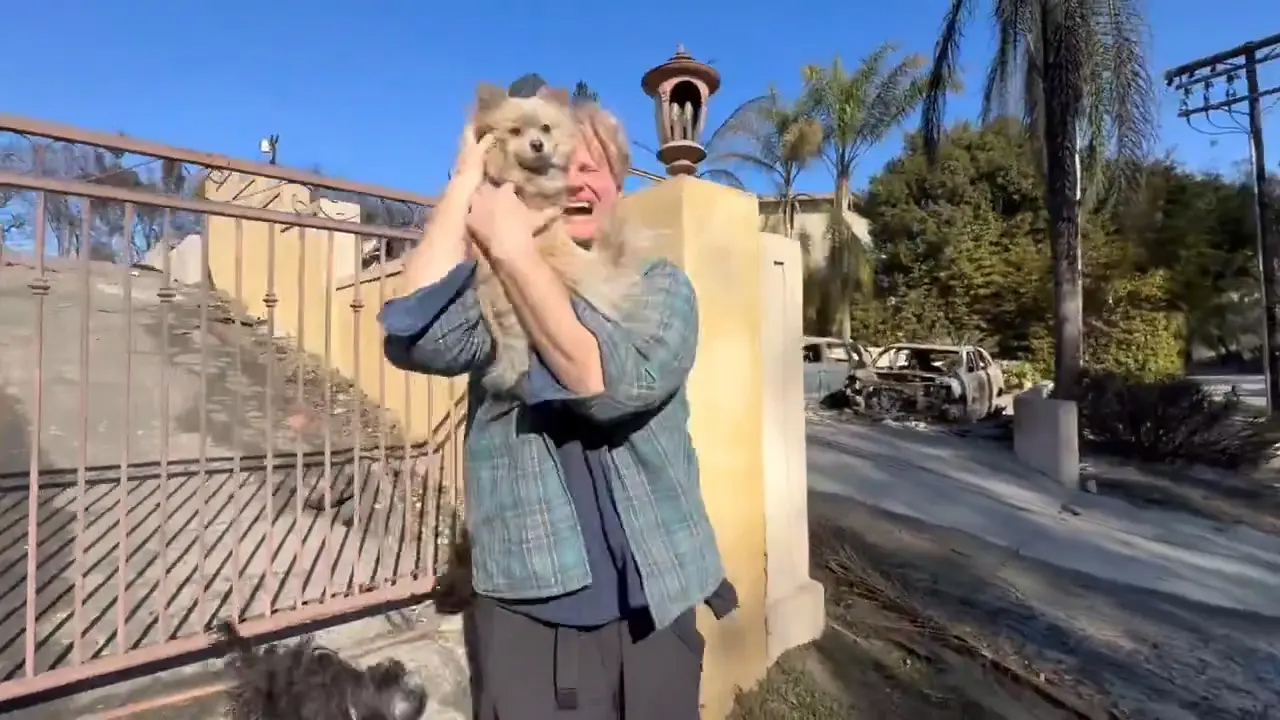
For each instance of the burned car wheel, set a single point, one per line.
(956, 412)
(880, 401)
(959, 411)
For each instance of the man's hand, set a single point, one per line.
(444, 241)
(468, 168)
(502, 225)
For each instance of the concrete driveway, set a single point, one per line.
(978, 488)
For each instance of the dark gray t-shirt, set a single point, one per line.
(615, 587)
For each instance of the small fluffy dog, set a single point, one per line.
(535, 142)
(304, 681)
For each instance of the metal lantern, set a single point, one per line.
(680, 88)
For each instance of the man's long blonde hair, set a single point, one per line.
(605, 138)
(629, 244)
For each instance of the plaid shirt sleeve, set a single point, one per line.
(437, 329)
(646, 357)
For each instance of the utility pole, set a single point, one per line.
(1228, 65)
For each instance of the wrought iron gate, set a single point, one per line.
(184, 434)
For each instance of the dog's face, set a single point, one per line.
(387, 693)
(535, 138)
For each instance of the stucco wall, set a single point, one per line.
(811, 219)
(312, 274)
(794, 609)
(711, 231)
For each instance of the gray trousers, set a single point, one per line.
(523, 669)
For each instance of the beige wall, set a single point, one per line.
(746, 393)
(812, 216)
(711, 231)
(312, 275)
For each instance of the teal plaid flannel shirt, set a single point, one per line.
(524, 531)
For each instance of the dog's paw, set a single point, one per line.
(511, 362)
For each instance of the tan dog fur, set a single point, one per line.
(604, 277)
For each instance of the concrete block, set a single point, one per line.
(1046, 436)
(796, 618)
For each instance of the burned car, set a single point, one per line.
(828, 363)
(956, 382)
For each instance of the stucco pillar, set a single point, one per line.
(747, 417)
(795, 613)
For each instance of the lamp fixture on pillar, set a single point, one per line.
(680, 88)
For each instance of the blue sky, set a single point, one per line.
(376, 90)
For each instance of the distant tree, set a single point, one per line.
(1200, 229)
(1076, 71)
(64, 215)
(959, 245)
(10, 221)
(583, 91)
(962, 253)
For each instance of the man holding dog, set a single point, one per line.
(590, 543)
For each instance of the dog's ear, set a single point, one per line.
(559, 96)
(489, 97)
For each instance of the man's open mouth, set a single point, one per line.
(577, 209)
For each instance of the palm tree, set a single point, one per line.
(857, 110)
(1077, 70)
(768, 135)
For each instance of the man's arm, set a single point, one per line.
(437, 329)
(434, 326)
(546, 311)
(644, 360)
(444, 242)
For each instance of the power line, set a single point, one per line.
(1225, 69)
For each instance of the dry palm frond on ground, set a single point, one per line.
(883, 656)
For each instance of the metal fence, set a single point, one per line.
(168, 458)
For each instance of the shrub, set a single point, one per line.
(1132, 333)
(1171, 420)
(1020, 374)
(1128, 331)
(1140, 345)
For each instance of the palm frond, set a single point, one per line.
(859, 108)
(724, 177)
(1099, 46)
(765, 135)
(744, 159)
(942, 75)
(747, 122)
(895, 96)
(999, 95)
(1125, 89)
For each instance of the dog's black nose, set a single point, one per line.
(536, 145)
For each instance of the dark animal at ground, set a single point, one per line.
(305, 681)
